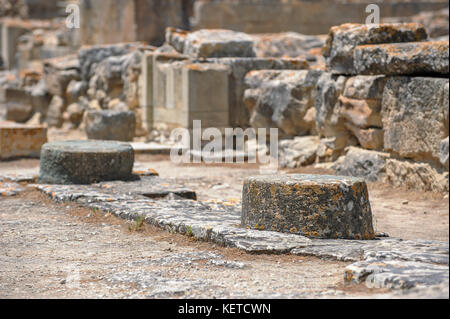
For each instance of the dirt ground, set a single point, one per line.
(51, 250)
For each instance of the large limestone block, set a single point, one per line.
(416, 175)
(110, 125)
(301, 151)
(366, 164)
(281, 99)
(413, 117)
(402, 58)
(217, 44)
(205, 94)
(361, 113)
(18, 140)
(85, 162)
(343, 39)
(310, 205)
(15, 104)
(365, 87)
(161, 74)
(239, 115)
(59, 72)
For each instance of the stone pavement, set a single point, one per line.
(384, 263)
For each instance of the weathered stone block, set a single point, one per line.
(21, 140)
(361, 113)
(161, 63)
(15, 104)
(444, 153)
(59, 72)
(281, 99)
(416, 175)
(310, 205)
(146, 90)
(343, 39)
(371, 138)
(413, 117)
(358, 162)
(365, 87)
(239, 115)
(218, 44)
(301, 151)
(85, 162)
(110, 125)
(402, 58)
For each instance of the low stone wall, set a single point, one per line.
(397, 114)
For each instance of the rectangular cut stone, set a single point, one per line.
(402, 58)
(218, 44)
(58, 73)
(21, 140)
(11, 31)
(161, 63)
(205, 94)
(281, 98)
(239, 115)
(343, 39)
(309, 205)
(146, 90)
(413, 115)
(364, 87)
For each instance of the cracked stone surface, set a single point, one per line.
(388, 263)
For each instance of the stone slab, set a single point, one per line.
(85, 162)
(18, 140)
(402, 58)
(413, 115)
(218, 222)
(110, 125)
(342, 41)
(316, 206)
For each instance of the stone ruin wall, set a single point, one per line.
(269, 80)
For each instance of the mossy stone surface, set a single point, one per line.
(315, 206)
(85, 162)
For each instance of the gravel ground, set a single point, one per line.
(61, 251)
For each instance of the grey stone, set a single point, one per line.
(416, 175)
(357, 162)
(343, 39)
(443, 156)
(301, 151)
(310, 205)
(281, 99)
(55, 112)
(85, 162)
(59, 72)
(110, 125)
(89, 57)
(363, 87)
(218, 44)
(240, 67)
(402, 58)
(413, 117)
(396, 274)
